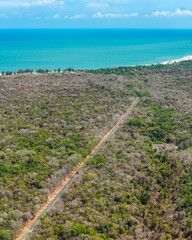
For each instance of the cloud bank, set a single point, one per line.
(178, 12)
(13, 4)
(113, 15)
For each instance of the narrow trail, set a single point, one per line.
(62, 185)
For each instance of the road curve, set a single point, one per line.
(69, 179)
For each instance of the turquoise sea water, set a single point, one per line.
(90, 49)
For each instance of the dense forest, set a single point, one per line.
(139, 186)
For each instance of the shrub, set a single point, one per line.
(4, 235)
(137, 122)
(145, 196)
(9, 73)
(78, 229)
(100, 159)
(4, 169)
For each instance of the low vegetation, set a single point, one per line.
(48, 124)
(139, 186)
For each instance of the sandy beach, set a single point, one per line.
(188, 58)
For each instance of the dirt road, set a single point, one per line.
(69, 179)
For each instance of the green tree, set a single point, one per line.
(4, 235)
(78, 229)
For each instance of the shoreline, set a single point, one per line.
(183, 59)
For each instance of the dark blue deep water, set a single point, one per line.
(90, 49)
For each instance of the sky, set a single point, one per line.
(162, 14)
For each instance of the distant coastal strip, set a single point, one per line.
(188, 58)
(72, 70)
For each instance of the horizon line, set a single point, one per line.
(94, 28)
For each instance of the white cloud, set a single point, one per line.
(29, 4)
(56, 16)
(40, 3)
(97, 5)
(78, 16)
(113, 15)
(163, 13)
(12, 4)
(3, 16)
(178, 12)
(111, 1)
(43, 2)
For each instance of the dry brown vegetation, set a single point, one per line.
(49, 123)
(129, 190)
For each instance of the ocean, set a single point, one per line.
(90, 48)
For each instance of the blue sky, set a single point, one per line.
(96, 14)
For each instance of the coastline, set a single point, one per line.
(187, 58)
(183, 59)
